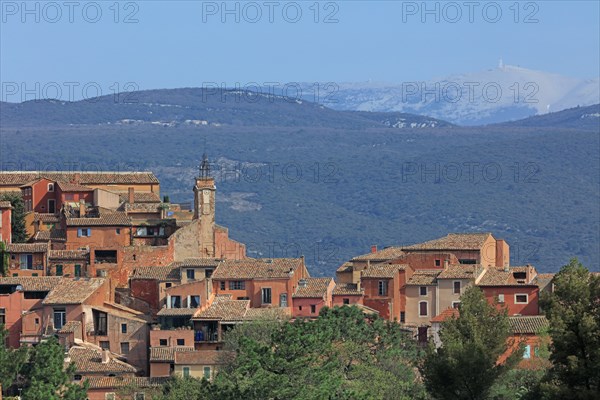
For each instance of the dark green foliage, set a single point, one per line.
(465, 366)
(185, 389)
(19, 234)
(12, 361)
(574, 313)
(4, 262)
(46, 376)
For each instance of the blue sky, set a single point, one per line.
(187, 43)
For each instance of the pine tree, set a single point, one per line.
(19, 233)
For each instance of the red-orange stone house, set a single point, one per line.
(5, 221)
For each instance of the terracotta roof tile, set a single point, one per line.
(139, 197)
(423, 278)
(163, 273)
(347, 289)
(176, 312)
(528, 324)
(167, 354)
(224, 309)
(32, 283)
(444, 315)
(89, 360)
(382, 270)
(11, 178)
(345, 267)
(312, 287)
(82, 255)
(46, 218)
(459, 271)
(5, 204)
(73, 187)
(73, 291)
(106, 218)
(70, 327)
(56, 235)
(386, 254)
(453, 241)
(252, 268)
(28, 248)
(198, 262)
(500, 277)
(543, 280)
(202, 357)
(110, 382)
(253, 314)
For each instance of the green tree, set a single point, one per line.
(19, 234)
(12, 361)
(185, 389)
(47, 378)
(343, 354)
(3, 259)
(465, 366)
(573, 310)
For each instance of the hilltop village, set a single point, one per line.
(137, 289)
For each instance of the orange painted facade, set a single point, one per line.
(513, 298)
(5, 222)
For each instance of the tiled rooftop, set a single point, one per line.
(32, 283)
(46, 218)
(382, 270)
(183, 312)
(347, 289)
(251, 268)
(82, 255)
(528, 324)
(89, 360)
(202, 357)
(459, 271)
(5, 204)
(73, 291)
(56, 235)
(85, 178)
(165, 273)
(72, 187)
(109, 382)
(198, 262)
(28, 248)
(500, 277)
(139, 197)
(386, 254)
(70, 326)
(224, 309)
(312, 287)
(453, 241)
(543, 280)
(444, 315)
(423, 278)
(106, 218)
(167, 354)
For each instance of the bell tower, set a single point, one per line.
(204, 208)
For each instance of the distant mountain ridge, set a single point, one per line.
(492, 96)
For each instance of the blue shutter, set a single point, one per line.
(78, 232)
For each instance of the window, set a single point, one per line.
(208, 272)
(536, 351)
(190, 274)
(521, 299)
(77, 270)
(168, 284)
(118, 231)
(51, 187)
(423, 309)
(470, 261)
(423, 290)
(123, 328)
(105, 256)
(35, 295)
(222, 285)
(283, 300)
(243, 298)
(313, 308)
(194, 302)
(266, 295)
(402, 316)
(175, 301)
(438, 263)
(51, 206)
(186, 372)
(2, 316)
(77, 377)
(382, 288)
(237, 285)
(124, 347)
(26, 261)
(501, 298)
(346, 301)
(110, 396)
(180, 342)
(162, 342)
(300, 308)
(456, 304)
(59, 270)
(100, 323)
(457, 287)
(527, 352)
(60, 318)
(84, 232)
(105, 345)
(207, 373)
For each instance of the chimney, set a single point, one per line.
(131, 195)
(374, 248)
(76, 178)
(81, 208)
(506, 268)
(446, 263)
(105, 358)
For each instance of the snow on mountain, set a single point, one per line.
(495, 95)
